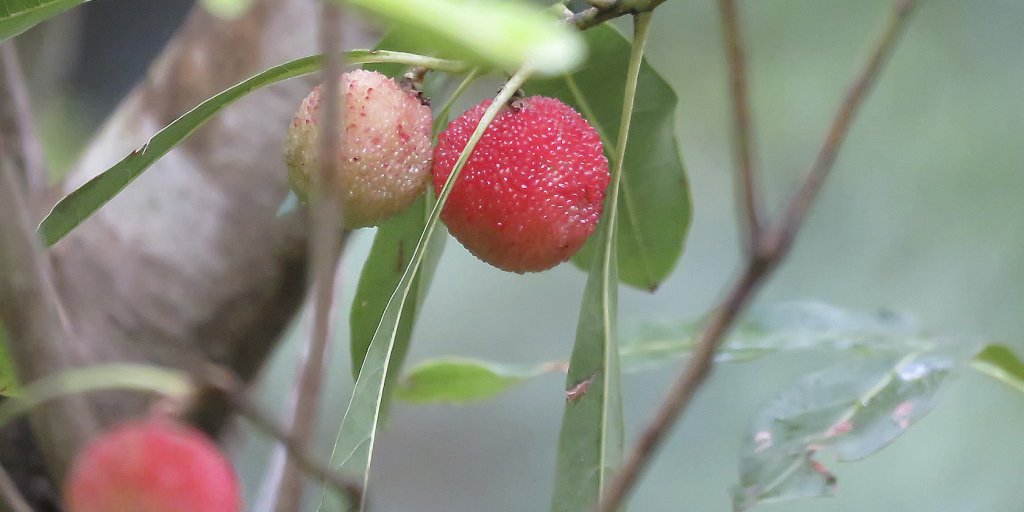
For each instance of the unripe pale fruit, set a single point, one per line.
(385, 147)
(533, 188)
(153, 465)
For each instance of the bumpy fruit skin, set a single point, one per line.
(533, 188)
(385, 147)
(152, 465)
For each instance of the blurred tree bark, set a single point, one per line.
(190, 262)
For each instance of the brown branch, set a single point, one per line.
(37, 329)
(225, 382)
(324, 250)
(19, 101)
(10, 494)
(760, 264)
(606, 10)
(742, 124)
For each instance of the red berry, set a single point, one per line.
(532, 190)
(385, 147)
(152, 466)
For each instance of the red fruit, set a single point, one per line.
(152, 466)
(533, 188)
(385, 148)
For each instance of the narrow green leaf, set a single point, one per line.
(353, 448)
(388, 261)
(88, 198)
(784, 327)
(854, 409)
(8, 377)
(498, 32)
(228, 9)
(1000, 363)
(591, 438)
(778, 328)
(17, 16)
(135, 377)
(655, 195)
(460, 381)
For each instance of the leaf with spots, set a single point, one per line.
(854, 410)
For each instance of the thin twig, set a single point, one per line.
(11, 496)
(21, 104)
(606, 10)
(761, 263)
(224, 381)
(325, 248)
(743, 143)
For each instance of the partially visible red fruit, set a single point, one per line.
(532, 190)
(153, 465)
(385, 147)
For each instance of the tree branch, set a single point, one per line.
(18, 100)
(761, 263)
(742, 124)
(37, 329)
(606, 10)
(225, 382)
(324, 250)
(11, 496)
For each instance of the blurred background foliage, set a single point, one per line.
(922, 216)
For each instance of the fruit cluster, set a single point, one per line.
(526, 200)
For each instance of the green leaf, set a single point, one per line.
(8, 377)
(128, 376)
(854, 409)
(784, 327)
(591, 438)
(353, 449)
(778, 328)
(655, 195)
(228, 9)
(17, 16)
(386, 264)
(497, 32)
(1000, 363)
(460, 381)
(88, 198)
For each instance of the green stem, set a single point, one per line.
(128, 376)
(442, 115)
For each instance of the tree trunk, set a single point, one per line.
(190, 261)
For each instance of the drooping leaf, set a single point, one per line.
(460, 381)
(8, 379)
(654, 195)
(1000, 363)
(777, 328)
(353, 449)
(79, 204)
(17, 16)
(388, 261)
(591, 438)
(502, 33)
(125, 376)
(783, 327)
(854, 409)
(228, 9)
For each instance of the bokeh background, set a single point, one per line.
(922, 216)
